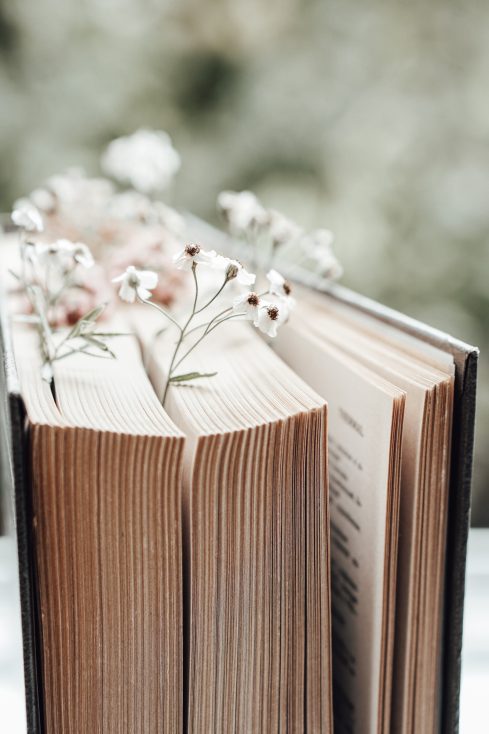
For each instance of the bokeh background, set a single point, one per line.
(370, 118)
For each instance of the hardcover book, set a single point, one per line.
(279, 547)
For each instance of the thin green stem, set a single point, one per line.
(208, 330)
(182, 333)
(196, 296)
(208, 327)
(213, 298)
(228, 318)
(201, 326)
(161, 310)
(214, 318)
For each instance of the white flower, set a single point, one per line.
(43, 199)
(194, 254)
(146, 159)
(247, 304)
(328, 266)
(75, 189)
(82, 255)
(318, 247)
(129, 205)
(132, 205)
(270, 316)
(46, 252)
(281, 229)
(27, 216)
(136, 283)
(280, 287)
(242, 210)
(66, 252)
(234, 270)
(321, 239)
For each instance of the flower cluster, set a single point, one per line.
(73, 214)
(115, 223)
(76, 202)
(48, 278)
(267, 310)
(146, 160)
(270, 235)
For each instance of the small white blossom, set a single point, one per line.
(318, 247)
(247, 304)
(82, 255)
(146, 159)
(75, 189)
(136, 283)
(129, 205)
(194, 254)
(242, 210)
(280, 287)
(27, 216)
(65, 251)
(234, 270)
(132, 205)
(43, 199)
(321, 239)
(328, 266)
(281, 229)
(48, 251)
(271, 316)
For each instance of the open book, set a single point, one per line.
(280, 548)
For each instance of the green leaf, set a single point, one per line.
(94, 313)
(99, 344)
(191, 376)
(160, 332)
(85, 320)
(112, 333)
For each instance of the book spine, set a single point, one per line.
(458, 530)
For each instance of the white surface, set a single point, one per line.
(12, 713)
(475, 667)
(475, 658)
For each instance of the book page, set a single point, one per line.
(422, 519)
(363, 429)
(426, 353)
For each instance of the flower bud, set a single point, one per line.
(232, 271)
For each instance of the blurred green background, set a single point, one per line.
(368, 118)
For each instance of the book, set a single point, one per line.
(307, 563)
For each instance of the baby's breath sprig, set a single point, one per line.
(267, 310)
(48, 273)
(270, 237)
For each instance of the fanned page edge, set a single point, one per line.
(210, 414)
(466, 360)
(46, 418)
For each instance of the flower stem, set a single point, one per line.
(201, 326)
(161, 310)
(210, 327)
(213, 298)
(182, 334)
